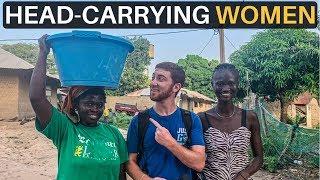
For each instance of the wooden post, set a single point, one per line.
(222, 48)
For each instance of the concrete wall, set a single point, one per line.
(14, 96)
(9, 86)
(53, 98)
(202, 106)
(184, 103)
(194, 105)
(143, 102)
(24, 106)
(312, 109)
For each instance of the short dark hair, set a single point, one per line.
(177, 73)
(227, 67)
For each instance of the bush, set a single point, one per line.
(296, 120)
(270, 163)
(315, 162)
(270, 154)
(269, 146)
(120, 120)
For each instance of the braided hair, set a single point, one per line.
(226, 67)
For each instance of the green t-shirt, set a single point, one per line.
(85, 152)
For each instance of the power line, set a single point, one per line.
(214, 33)
(230, 42)
(129, 35)
(18, 39)
(163, 33)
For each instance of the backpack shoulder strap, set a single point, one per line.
(244, 118)
(187, 120)
(204, 121)
(143, 121)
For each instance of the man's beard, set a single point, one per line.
(162, 95)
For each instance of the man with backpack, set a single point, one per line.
(165, 141)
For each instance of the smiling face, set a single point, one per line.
(162, 86)
(90, 108)
(225, 85)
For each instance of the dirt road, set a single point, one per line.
(26, 154)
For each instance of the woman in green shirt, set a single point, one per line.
(87, 149)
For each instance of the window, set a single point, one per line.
(196, 104)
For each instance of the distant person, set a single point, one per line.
(106, 114)
(165, 141)
(87, 149)
(229, 131)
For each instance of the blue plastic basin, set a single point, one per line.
(89, 58)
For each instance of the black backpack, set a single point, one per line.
(143, 122)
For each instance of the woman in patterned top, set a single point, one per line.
(229, 131)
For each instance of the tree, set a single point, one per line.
(29, 53)
(198, 73)
(134, 76)
(281, 64)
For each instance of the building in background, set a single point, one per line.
(186, 99)
(15, 75)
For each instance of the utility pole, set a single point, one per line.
(222, 50)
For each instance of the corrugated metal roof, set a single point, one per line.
(10, 61)
(188, 93)
(195, 94)
(303, 99)
(53, 76)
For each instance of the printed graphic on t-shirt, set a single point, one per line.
(88, 149)
(182, 136)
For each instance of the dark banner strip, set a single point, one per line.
(166, 14)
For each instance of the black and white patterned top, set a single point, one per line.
(227, 153)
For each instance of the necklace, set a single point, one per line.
(234, 110)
